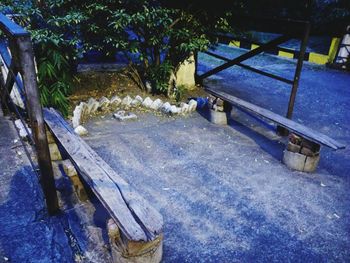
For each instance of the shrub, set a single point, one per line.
(162, 37)
(54, 27)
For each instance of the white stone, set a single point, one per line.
(115, 101)
(174, 109)
(127, 101)
(104, 103)
(147, 102)
(156, 104)
(80, 130)
(135, 103)
(217, 117)
(139, 98)
(185, 108)
(148, 86)
(76, 119)
(193, 105)
(92, 106)
(185, 73)
(21, 129)
(166, 107)
(84, 111)
(124, 116)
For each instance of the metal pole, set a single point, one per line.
(27, 69)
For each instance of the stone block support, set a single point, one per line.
(78, 186)
(126, 251)
(301, 154)
(54, 152)
(218, 110)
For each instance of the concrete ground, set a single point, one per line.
(223, 191)
(27, 232)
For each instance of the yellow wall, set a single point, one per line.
(285, 54)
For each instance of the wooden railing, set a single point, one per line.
(19, 62)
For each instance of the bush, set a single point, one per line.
(162, 37)
(54, 27)
(153, 36)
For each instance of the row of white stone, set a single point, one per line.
(84, 109)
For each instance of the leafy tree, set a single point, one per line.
(161, 37)
(54, 27)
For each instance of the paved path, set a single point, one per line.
(223, 191)
(27, 234)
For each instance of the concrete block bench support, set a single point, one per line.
(135, 228)
(219, 110)
(301, 154)
(303, 150)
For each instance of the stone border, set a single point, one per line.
(86, 109)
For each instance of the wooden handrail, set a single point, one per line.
(22, 61)
(11, 29)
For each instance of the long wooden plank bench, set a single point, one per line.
(307, 135)
(139, 223)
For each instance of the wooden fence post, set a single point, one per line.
(27, 69)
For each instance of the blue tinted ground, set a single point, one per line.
(223, 191)
(27, 232)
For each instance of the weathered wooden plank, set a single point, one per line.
(292, 126)
(130, 211)
(147, 216)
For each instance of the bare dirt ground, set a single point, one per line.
(108, 84)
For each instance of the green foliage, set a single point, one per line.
(159, 76)
(95, 32)
(54, 27)
(55, 81)
(162, 37)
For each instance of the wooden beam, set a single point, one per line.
(292, 126)
(136, 218)
(23, 46)
(245, 56)
(11, 29)
(293, 94)
(264, 73)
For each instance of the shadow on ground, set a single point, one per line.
(223, 191)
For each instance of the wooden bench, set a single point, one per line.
(303, 136)
(138, 226)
